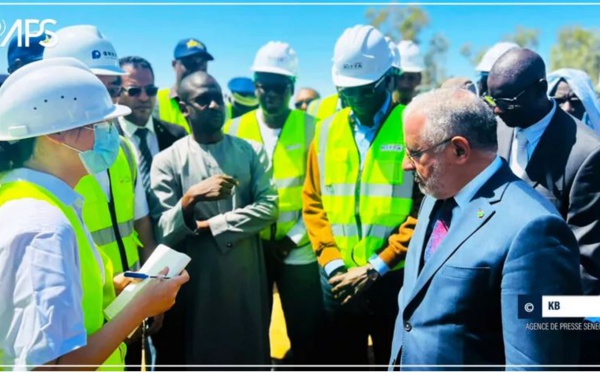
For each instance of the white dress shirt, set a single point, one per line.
(41, 314)
(533, 134)
(129, 129)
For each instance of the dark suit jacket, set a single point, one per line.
(462, 307)
(166, 133)
(565, 168)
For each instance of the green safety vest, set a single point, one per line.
(289, 164)
(169, 111)
(323, 108)
(363, 206)
(91, 276)
(97, 215)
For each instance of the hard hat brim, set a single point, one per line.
(119, 110)
(412, 69)
(108, 71)
(349, 82)
(272, 70)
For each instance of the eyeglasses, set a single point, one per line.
(507, 104)
(362, 92)
(204, 100)
(277, 88)
(573, 100)
(151, 91)
(415, 156)
(306, 102)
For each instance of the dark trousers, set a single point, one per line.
(299, 288)
(372, 313)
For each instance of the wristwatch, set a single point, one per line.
(372, 274)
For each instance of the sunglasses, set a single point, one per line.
(362, 92)
(507, 104)
(306, 102)
(204, 100)
(115, 92)
(573, 100)
(193, 63)
(151, 91)
(277, 88)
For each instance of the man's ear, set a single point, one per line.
(174, 63)
(185, 110)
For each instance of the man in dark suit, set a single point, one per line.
(556, 154)
(149, 136)
(483, 238)
(550, 150)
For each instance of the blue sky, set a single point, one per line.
(233, 34)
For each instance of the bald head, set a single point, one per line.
(195, 82)
(517, 84)
(515, 70)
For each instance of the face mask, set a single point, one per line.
(105, 151)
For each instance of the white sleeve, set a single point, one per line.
(141, 204)
(41, 315)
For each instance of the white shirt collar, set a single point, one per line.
(129, 128)
(56, 186)
(535, 132)
(467, 193)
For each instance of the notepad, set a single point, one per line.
(162, 257)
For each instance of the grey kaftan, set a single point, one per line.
(224, 307)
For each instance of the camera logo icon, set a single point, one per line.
(529, 307)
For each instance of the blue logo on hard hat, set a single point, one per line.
(96, 54)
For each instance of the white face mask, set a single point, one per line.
(105, 151)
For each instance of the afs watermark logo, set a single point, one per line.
(27, 29)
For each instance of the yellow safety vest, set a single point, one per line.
(363, 206)
(289, 164)
(97, 215)
(91, 276)
(323, 108)
(168, 109)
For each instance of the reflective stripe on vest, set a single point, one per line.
(289, 163)
(91, 274)
(96, 213)
(168, 109)
(384, 190)
(323, 108)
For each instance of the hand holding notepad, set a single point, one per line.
(162, 257)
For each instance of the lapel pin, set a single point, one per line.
(480, 214)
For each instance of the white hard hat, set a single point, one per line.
(51, 96)
(361, 56)
(395, 53)
(277, 58)
(87, 44)
(493, 54)
(411, 59)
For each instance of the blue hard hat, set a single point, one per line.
(34, 52)
(189, 47)
(241, 85)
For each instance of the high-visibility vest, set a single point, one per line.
(323, 108)
(363, 206)
(97, 214)
(91, 276)
(289, 164)
(169, 111)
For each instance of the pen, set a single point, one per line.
(131, 274)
